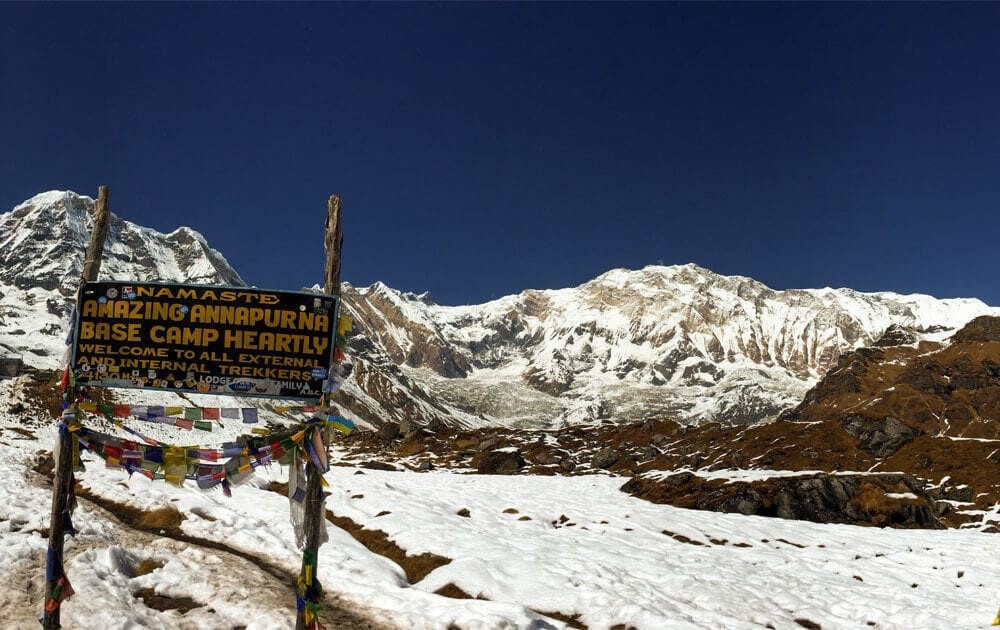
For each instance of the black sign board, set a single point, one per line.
(204, 339)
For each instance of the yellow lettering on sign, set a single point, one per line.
(183, 336)
(110, 332)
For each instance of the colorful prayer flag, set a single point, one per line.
(343, 425)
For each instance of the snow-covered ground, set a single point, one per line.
(570, 545)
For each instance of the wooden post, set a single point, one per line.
(314, 516)
(333, 241)
(95, 250)
(62, 485)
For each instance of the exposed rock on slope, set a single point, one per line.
(884, 500)
(948, 388)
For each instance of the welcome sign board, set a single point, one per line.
(204, 339)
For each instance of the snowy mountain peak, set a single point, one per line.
(43, 239)
(42, 244)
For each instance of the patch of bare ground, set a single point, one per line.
(682, 538)
(573, 621)
(416, 567)
(24, 433)
(166, 602)
(147, 566)
(454, 592)
(42, 390)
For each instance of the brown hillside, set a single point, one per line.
(940, 389)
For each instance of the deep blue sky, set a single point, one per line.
(482, 149)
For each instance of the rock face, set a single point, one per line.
(389, 431)
(605, 458)
(881, 438)
(887, 396)
(983, 329)
(501, 462)
(895, 335)
(882, 500)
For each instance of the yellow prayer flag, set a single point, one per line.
(344, 324)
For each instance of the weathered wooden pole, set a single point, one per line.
(62, 484)
(314, 512)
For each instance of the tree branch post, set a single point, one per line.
(314, 517)
(62, 485)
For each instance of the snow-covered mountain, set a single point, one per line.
(42, 245)
(677, 342)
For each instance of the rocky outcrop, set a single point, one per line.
(881, 438)
(895, 335)
(501, 462)
(605, 458)
(882, 500)
(983, 329)
(950, 387)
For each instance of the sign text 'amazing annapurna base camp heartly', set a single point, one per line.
(195, 338)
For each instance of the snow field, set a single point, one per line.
(614, 564)
(588, 549)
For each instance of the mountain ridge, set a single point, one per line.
(678, 342)
(684, 326)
